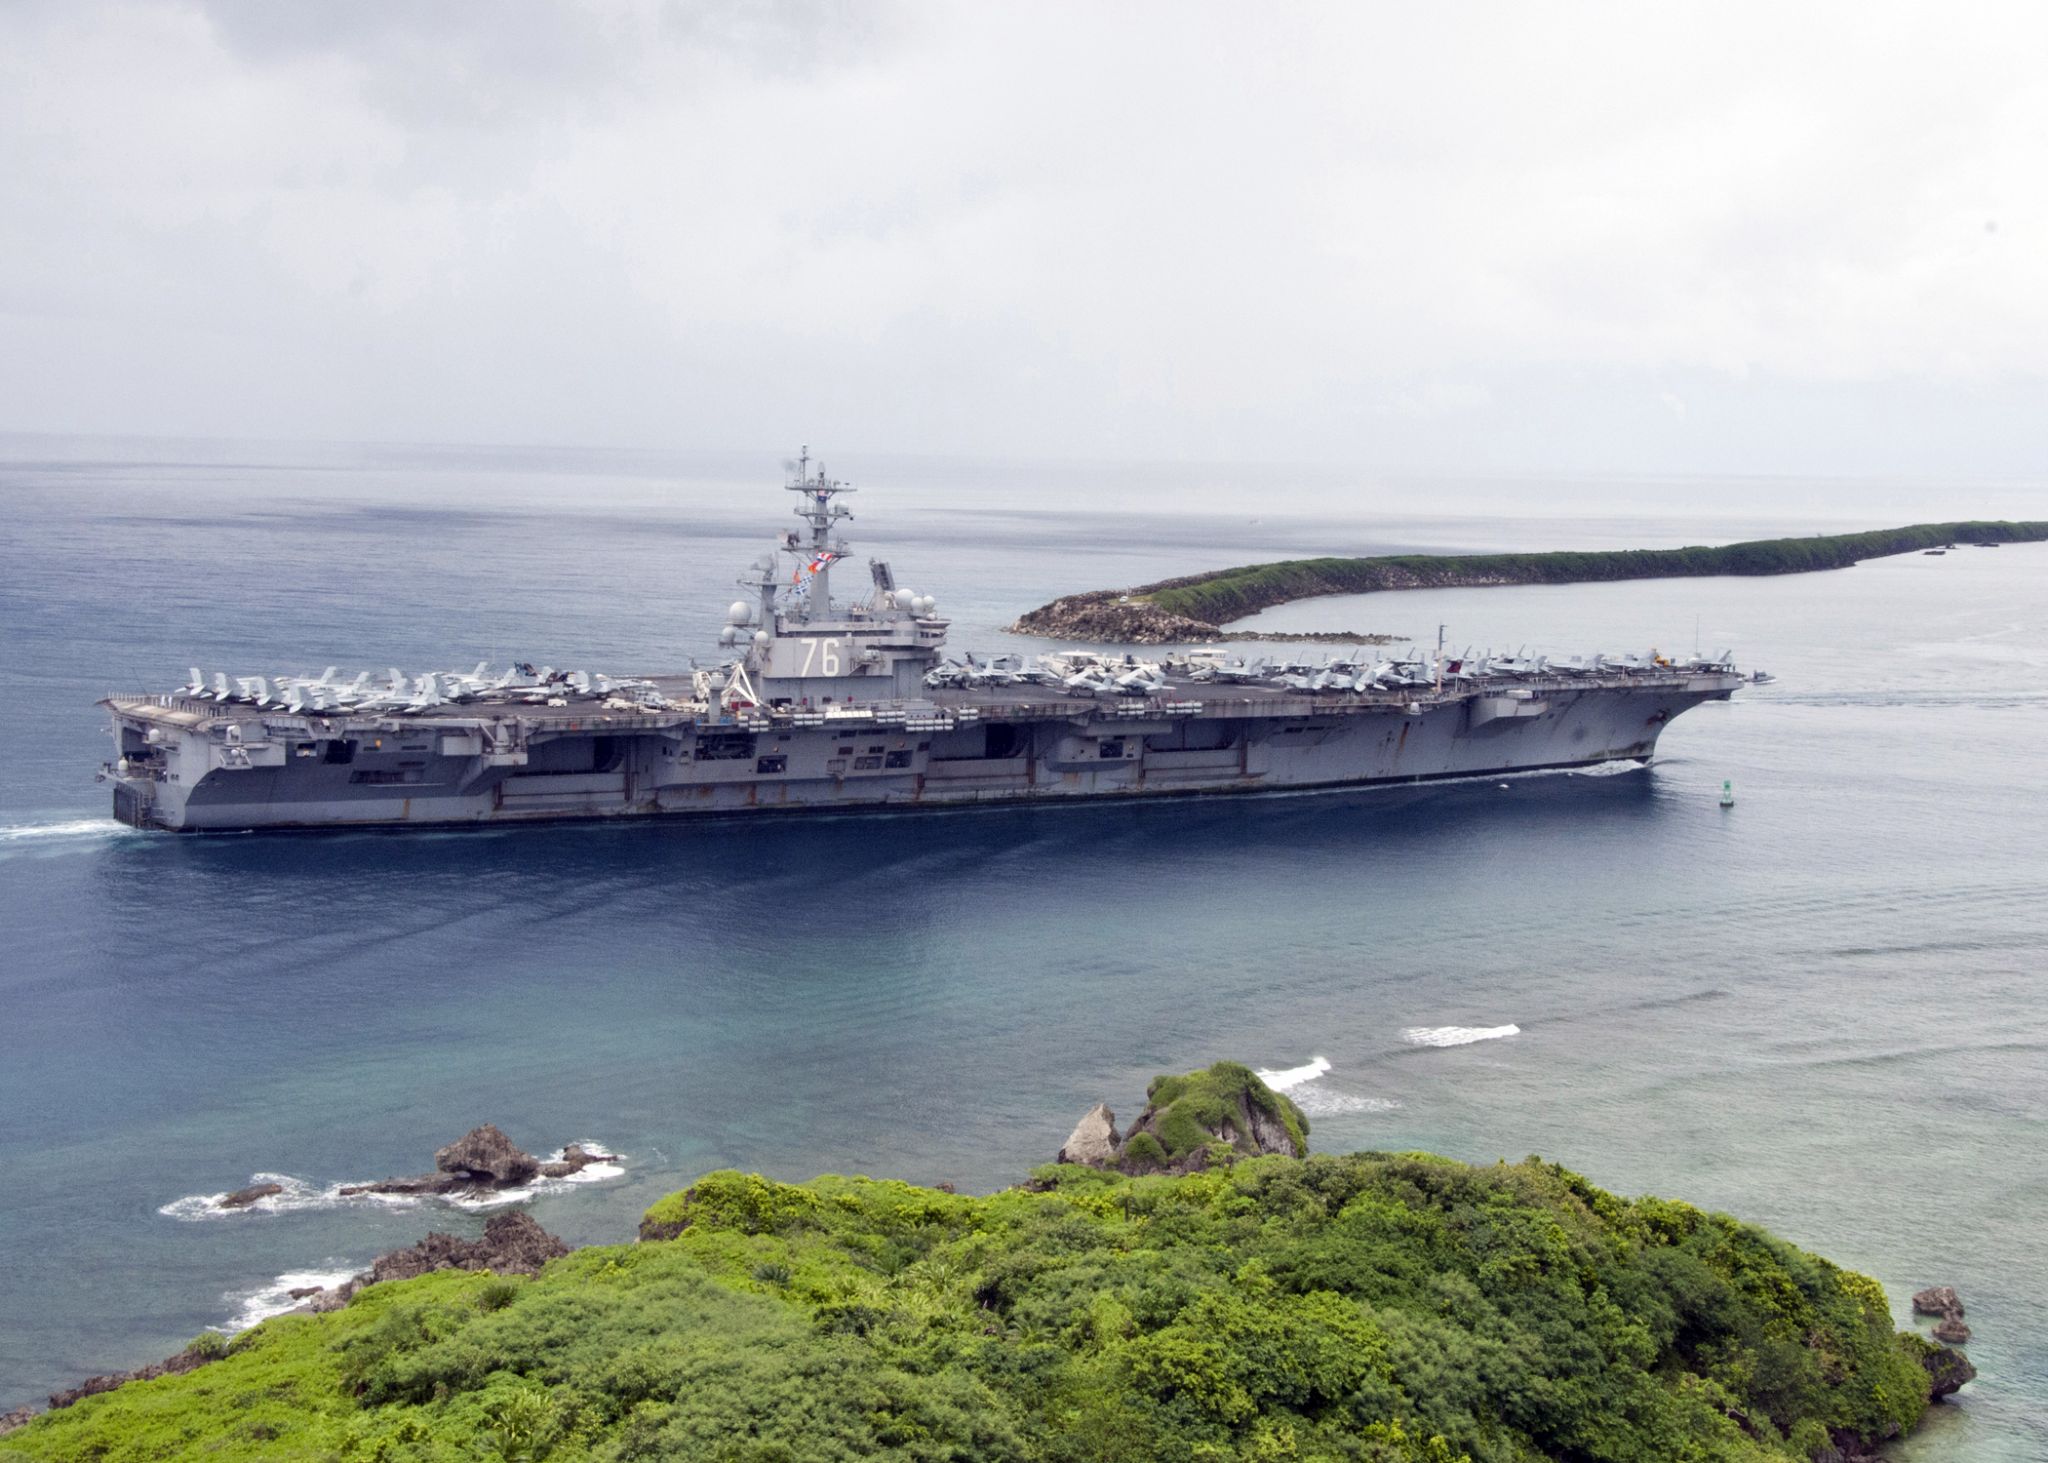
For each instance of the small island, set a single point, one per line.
(1196, 1285)
(1198, 606)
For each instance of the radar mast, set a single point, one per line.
(809, 591)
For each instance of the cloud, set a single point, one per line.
(1134, 229)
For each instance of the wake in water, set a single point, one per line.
(1456, 1035)
(296, 1195)
(56, 837)
(1303, 1086)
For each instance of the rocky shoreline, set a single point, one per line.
(1217, 1117)
(482, 1161)
(1114, 617)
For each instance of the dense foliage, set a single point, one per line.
(1231, 594)
(1399, 1308)
(1195, 1110)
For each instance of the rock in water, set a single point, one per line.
(1951, 1330)
(1094, 1139)
(241, 1198)
(1938, 1300)
(1947, 1369)
(575, 1158)
(486, 1155)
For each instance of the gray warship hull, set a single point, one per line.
(197, 765)
(829, 705)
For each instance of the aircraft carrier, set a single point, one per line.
(826, 703)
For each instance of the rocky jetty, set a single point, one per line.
(1190, 1122)
(482, 1161)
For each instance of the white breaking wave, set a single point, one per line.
(595, 1173)
(1301, 1084)
(1283, 1079)
(275, 1298)
(1457, 1035)
(297, 1194)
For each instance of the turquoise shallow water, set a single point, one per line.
(1818, 1010)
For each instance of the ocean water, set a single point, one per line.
(1819, 1010)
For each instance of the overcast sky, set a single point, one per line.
(1631, 237)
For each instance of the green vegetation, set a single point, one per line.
(1189, 1112)
(1390, 1307)
(1231, 594)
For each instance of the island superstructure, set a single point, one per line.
(827, 703)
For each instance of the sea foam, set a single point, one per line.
(259, 1305)
(1303, 1087)
(1284, 1079)
(297, 1194)
(1457, 1035)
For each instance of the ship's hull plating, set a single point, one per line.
(424, 772)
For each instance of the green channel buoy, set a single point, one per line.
(1727, 793)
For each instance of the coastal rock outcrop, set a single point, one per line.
(1947, 1370)
(1938, 1300)
(243, 1198)
(1094, 1140)
(486, 1156)
(1108, 617)
(19, 1417)
(575, 1158)
(1105, 615)
(1942, 1301)
(198, 1354)
(1217, 1115)
(484, 1160)
(512, 1244)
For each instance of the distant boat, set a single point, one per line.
(1934, 553)
(1984, 544)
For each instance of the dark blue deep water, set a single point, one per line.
(1820, 1010)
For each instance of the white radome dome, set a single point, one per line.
(739, 614)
